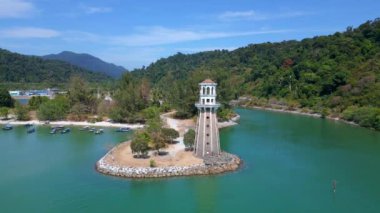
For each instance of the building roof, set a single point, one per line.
(209, 81)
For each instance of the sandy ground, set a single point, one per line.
(122, 156)
(180, 125)
(176, 154)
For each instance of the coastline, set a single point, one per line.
(232, 122)
(72, 123)
(296, 112)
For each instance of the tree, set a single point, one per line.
(55, 109)
(4, 111)
(169, 134)
(81, 97)
(154, 123)
(36, 101)
(130, 99)
(152, 112)
(22, 113)
(140, 143)
(5, 98)
(78, 112)
(189, 139)
(158, 141)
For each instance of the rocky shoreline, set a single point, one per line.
(297, 112)
(225, 162)
(232, 122)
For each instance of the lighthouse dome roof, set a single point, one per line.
(208, 81)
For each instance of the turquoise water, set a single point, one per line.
(289, 164)
(23, 101)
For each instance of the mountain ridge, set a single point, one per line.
(19, 68)
(89, 62)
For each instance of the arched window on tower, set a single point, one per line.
(208, 90)
(204, 91)
(212, 91)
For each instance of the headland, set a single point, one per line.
(120, 160)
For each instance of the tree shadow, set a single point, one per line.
(144, 156)
(163, 153)
(173, 142)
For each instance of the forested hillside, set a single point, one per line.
(88, 62)
(337, 75)
(17, 68)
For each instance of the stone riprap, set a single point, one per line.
(215, 165)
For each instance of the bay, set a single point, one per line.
(290, 162)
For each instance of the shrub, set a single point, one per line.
(55, 109)
(5, 98)
(324, 113)
(152, 163)
(182, 115)
(4, 111)
(189, 139)
(364, 116)
(36, 101)
(22, 113)
(169, 134)
(225, 114)
(348, 114)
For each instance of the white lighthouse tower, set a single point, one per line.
(207, 132)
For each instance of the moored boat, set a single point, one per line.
(58, 127)
(8, 127)
(85, 128)
(123, 129)
(99, 131)
(66, 130)
(53, 131)
(31, 130)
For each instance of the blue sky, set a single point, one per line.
(136, 33)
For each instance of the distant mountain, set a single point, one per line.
(17, 68)
(89, 62)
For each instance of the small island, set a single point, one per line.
(189, 152)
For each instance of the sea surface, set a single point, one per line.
(290, 163)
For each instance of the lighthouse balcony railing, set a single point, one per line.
(207, 105)
(208, 95)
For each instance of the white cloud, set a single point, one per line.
(257, 16)
(161, 35)
(93, 10)
(28, 32)
(16, 8)
(237, 15)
